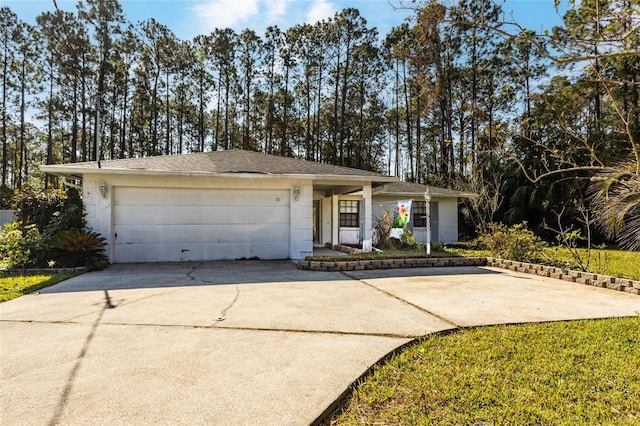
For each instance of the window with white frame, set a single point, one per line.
(349, 213)
(419, 214)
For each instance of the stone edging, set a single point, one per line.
(359, 265)
(596, 280)
(43, 271)
(588, 278)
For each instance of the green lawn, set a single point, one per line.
(12, 287)
(564, 373)
(618, 263)
(614, 262)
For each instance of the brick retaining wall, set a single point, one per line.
(588, 278)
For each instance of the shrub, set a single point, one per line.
(72, 217)
(6, 197)
(79, 248)
(20, 247)
(438, 246)
(40, 208)
(407, 238)
(382, 230)
(514, 243)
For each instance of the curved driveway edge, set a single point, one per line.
(245, 342)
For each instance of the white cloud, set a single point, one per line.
(275, 9)
(321, 9)
(224, 13)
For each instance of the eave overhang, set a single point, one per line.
(67, 171)
(421, 194)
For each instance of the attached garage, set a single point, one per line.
(231, 204)
(179, 224)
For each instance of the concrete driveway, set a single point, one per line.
(244, 342)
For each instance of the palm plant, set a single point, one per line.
(80, 248)
(616, 206)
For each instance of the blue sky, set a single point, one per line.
(188, 18)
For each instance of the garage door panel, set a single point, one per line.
(181, 252)
(214, 234)
(200, 197)
(200, 215)
(174, 224)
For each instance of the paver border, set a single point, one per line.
(587, 278)
(42, 271)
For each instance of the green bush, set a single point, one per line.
(20, 246)
(514, 243)
(79, 248)
(407, 238)
(438, 246)
(72, 217)
(6, 198)
(382, 230)
(40, 208)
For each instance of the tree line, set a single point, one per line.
(458, 96)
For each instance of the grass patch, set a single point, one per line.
(614, 262)
(13, 287)
(617, 263)
(564, 373)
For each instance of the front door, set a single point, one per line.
(316, 221)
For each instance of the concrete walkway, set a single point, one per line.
(244, 342)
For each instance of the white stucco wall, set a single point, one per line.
(447, 231)
(301, 224)
(332, 233)
(100, 210)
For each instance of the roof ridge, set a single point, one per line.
(217, 162)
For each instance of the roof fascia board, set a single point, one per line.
(69, 171)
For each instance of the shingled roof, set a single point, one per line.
(214, 163)
(408, 189)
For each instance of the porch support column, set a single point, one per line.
(335, 220)
(367, 232)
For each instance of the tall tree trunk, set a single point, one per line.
(83, 136)
(216, 136)
(23, 106)
(418, 137)
(407, 106)
(335, 113)
(270, 108)
(343, 102)
(5, 77)
(168, 148)
(123, 119)
(201, 107)
(227, 84)
(318, 142)
(74, 125)
(474, 95)
(283, 145)
(247, 108)
(154, 111)
(397, 118)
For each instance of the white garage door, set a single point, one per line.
(177, 224)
